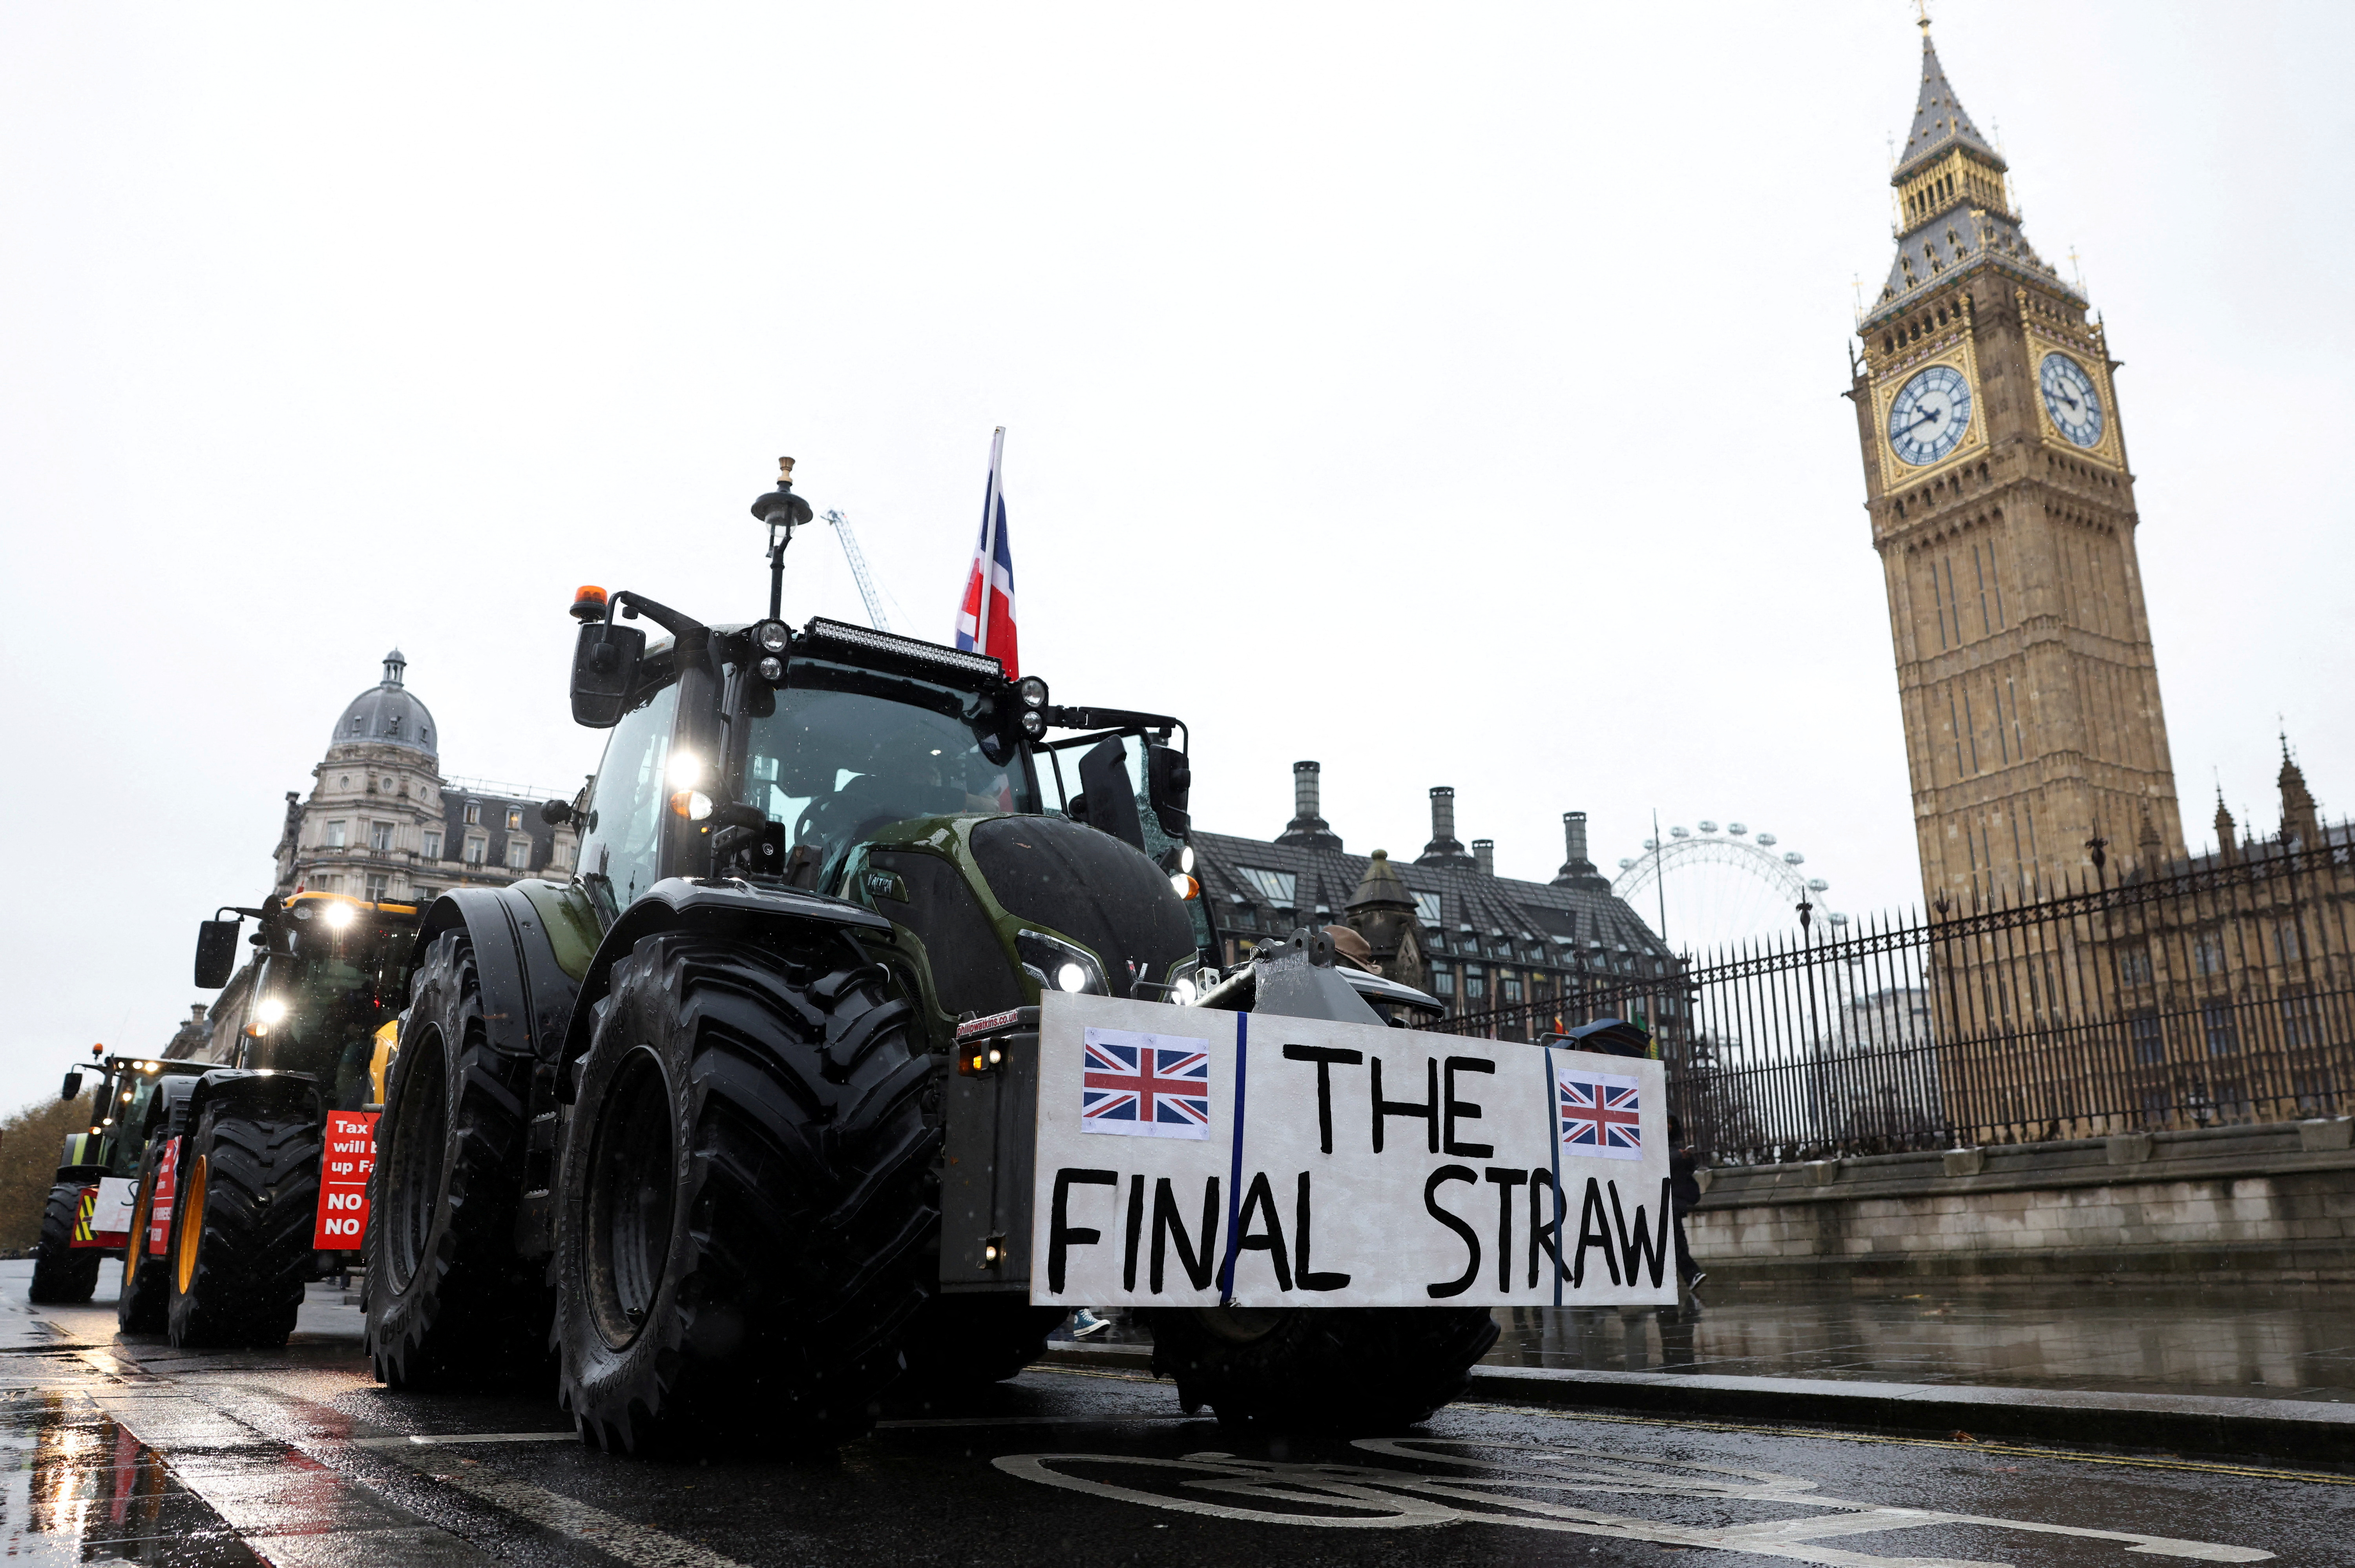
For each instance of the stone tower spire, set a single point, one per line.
(2301, 821)
(2228, 841)
(2003, 511)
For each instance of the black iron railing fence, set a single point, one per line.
(2219, 993)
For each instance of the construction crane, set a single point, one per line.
(875, 615)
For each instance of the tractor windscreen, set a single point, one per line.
(333, 1007)
(834, 763)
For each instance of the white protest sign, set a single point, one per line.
(1188, 1156)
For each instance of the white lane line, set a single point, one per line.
(1036, 1421)
(435, 1440)
(639, 1544)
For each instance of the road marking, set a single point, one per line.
(634, 1543)
(1034, 1421)
(1977, 1446)
(1492, 1491)
(438, 1439)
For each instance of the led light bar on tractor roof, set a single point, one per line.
(825, 630)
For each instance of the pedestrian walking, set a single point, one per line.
(1684, 1191)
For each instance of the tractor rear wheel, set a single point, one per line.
(1358, 1370)
(448, 1302)
(140, 1308)
(241, 1223)
(63, 1274)
(747, 1205)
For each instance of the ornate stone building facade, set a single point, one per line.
(381, 821)
(2003, 508)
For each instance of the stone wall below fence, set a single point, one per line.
(2264, 1202)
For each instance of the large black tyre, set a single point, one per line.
(1354, 1369)
(139, 1310)
(747, 1199)
(63, 1274)
(448, 1302)
(242, 1225)
(968, 1341)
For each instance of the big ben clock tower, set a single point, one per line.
(1996, 477)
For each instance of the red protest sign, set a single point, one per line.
(343, 1181)
(159, 1207)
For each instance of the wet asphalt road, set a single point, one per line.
(128, 1451)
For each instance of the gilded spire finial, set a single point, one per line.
(1921, 17)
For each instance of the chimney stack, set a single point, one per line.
(1307, 828)
(1445, 848)
(1485, 851)
(1577, 870)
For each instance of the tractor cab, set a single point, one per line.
(328, 974)
(843, 763)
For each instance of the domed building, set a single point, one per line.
(382, 822)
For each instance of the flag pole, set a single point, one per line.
(988, 541)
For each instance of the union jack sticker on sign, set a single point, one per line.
(1146, 1085)
(1597, 1114)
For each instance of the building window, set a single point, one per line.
(1475, 984)
(475, 849)
(376, 887)
(1247, 917)
(2134, 966)
(2216, 1022)
(2286, 943)
(432, 843)
(392, 728)
(1275, 886)
(474, 813)
(1426, 909)
(343, 782)
(514, 821)
(2299, 1020)
(427, 895)
(1512, 988)
(380, 837)
(336, 833)
(356, 724)
(1442, 981)
(2149, 1043)
(518, 854)
(2208, 954)
(327, 881)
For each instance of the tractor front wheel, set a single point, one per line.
(448, 1303)
(746, 1209)
(241, 1248)
(1357, 1369)
(140, 1308)
(63, 1274)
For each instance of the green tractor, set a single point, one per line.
(254, 1174)
(692, 1119)
(90, 1209)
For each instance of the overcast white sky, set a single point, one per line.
(1449, 394)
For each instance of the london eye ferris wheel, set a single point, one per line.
(1715, 887)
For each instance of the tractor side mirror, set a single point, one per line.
(1170, 783)
(604, 668)
(216, 953)
(72, 1090)
(557, 812)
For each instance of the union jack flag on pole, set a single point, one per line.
(1146, 1085)
(985, 618)
(1598, 1114)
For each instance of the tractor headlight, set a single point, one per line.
(773, 636)
(269, 1011)
(692, 804)
(1058, 964)
(1033, 690)
(1182, 991)
(1034, 723)
(686, 771)
(337, 915)
(771, 669)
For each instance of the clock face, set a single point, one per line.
(2071, 399)
(1931, 415)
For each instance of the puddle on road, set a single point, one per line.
(76, 1488)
